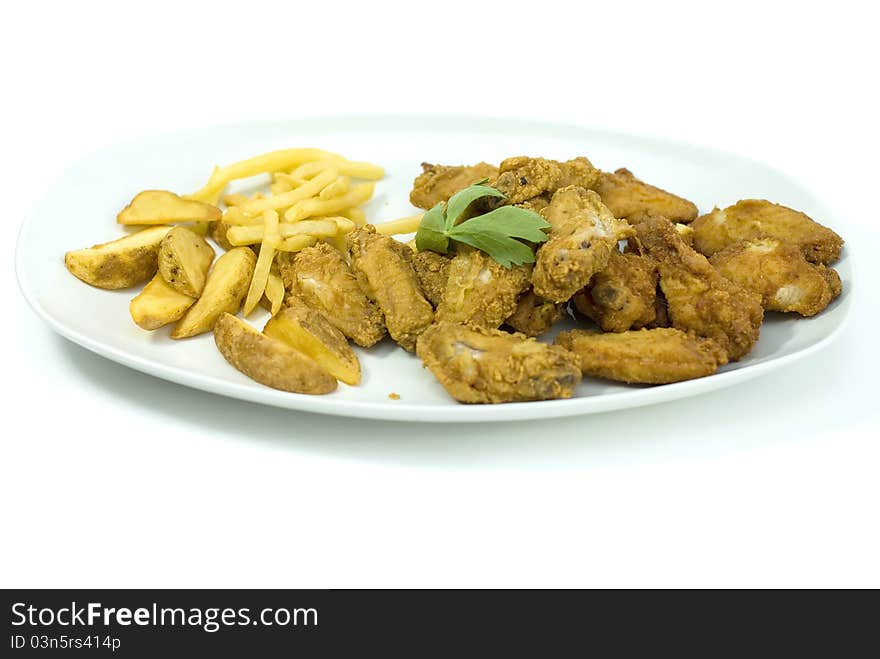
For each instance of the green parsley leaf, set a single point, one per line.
(508, 220)
(502, 248)
(459, 202)
(432, 231)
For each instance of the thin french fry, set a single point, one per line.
(296, 243)
(288, 199)
(274, 290)
(274, 161)
(251, 235)
(358, 195)
(236, 217)
(364, 170)
(343, 225)
(403, 225)
(271, 238)
(336, 188)
(356, 215)
(279, 187)
(234, 199)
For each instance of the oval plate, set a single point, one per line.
(81, 208)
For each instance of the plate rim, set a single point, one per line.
(409, 412)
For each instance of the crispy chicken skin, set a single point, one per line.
(698, 297)
(533, 315)
(626, 196)
(522, 178)
(780, 274)
(583, 235)
(438, 183)
(384, 270)
(536, 204)
(490, 366)
(757, 218)
(320, 277)
(656, 356)
(432, 270)
(479, 291)
(622, 296)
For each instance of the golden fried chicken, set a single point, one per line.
(757, 218)
(583, 235)
(536, 204)
(438, 183)
(522, 178)
(320, 277)
(655, 356)
(533, 315)
(699, 299)
(384, 270)
(479, 291)
(432, 270)
(626, 196)
(621, 296)
(780, 274)
(490, 366)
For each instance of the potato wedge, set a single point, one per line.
(217, 231)
(268, 360)
(163, 207)
(158, 304)
(120, 263)
(224, 290)
(184, 260)
(311, 333)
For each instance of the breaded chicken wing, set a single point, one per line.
(536, 204)
(432, 270)
(490, 366)
(522, 178)
(757, 218)
(621, 296)
(479, 291)
(533, 315)
(438, 183)
(583, 235)
(780, 274)
(626, 196)
(656, 356)
(320, 277)
(384, 270)
(699, 299)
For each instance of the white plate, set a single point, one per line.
(81, 207)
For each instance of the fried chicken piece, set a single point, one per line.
(320, 277)
(626, 196)
(490, 366)
(661, 311)
(757, 218)
(432, 270)
(583, 235)
(384, 270)
(698, 297)
(621, 296)
(656, 356)
(534, 315)
(780, 274)
(438, 183)
(479, 291)
(522, 178)
(536, 204)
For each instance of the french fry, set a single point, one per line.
(356, 215)
(274, 290)
(236, 217)
(251, 235)
(358, 195)
(365, 170)
(336, 188)
(274, 161)
(234, 199)
(403, 225)
(279, 187)
(288, 199)
(296, 243)
(271, 238)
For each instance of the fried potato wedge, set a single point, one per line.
(268, 360)
(217, 231)
(163, 207)
(120, 263)
(224, 290)
(184, 260)
(310, 332)
(158, 304)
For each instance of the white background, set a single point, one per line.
(111, 478)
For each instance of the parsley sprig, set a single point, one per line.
(499, 233)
